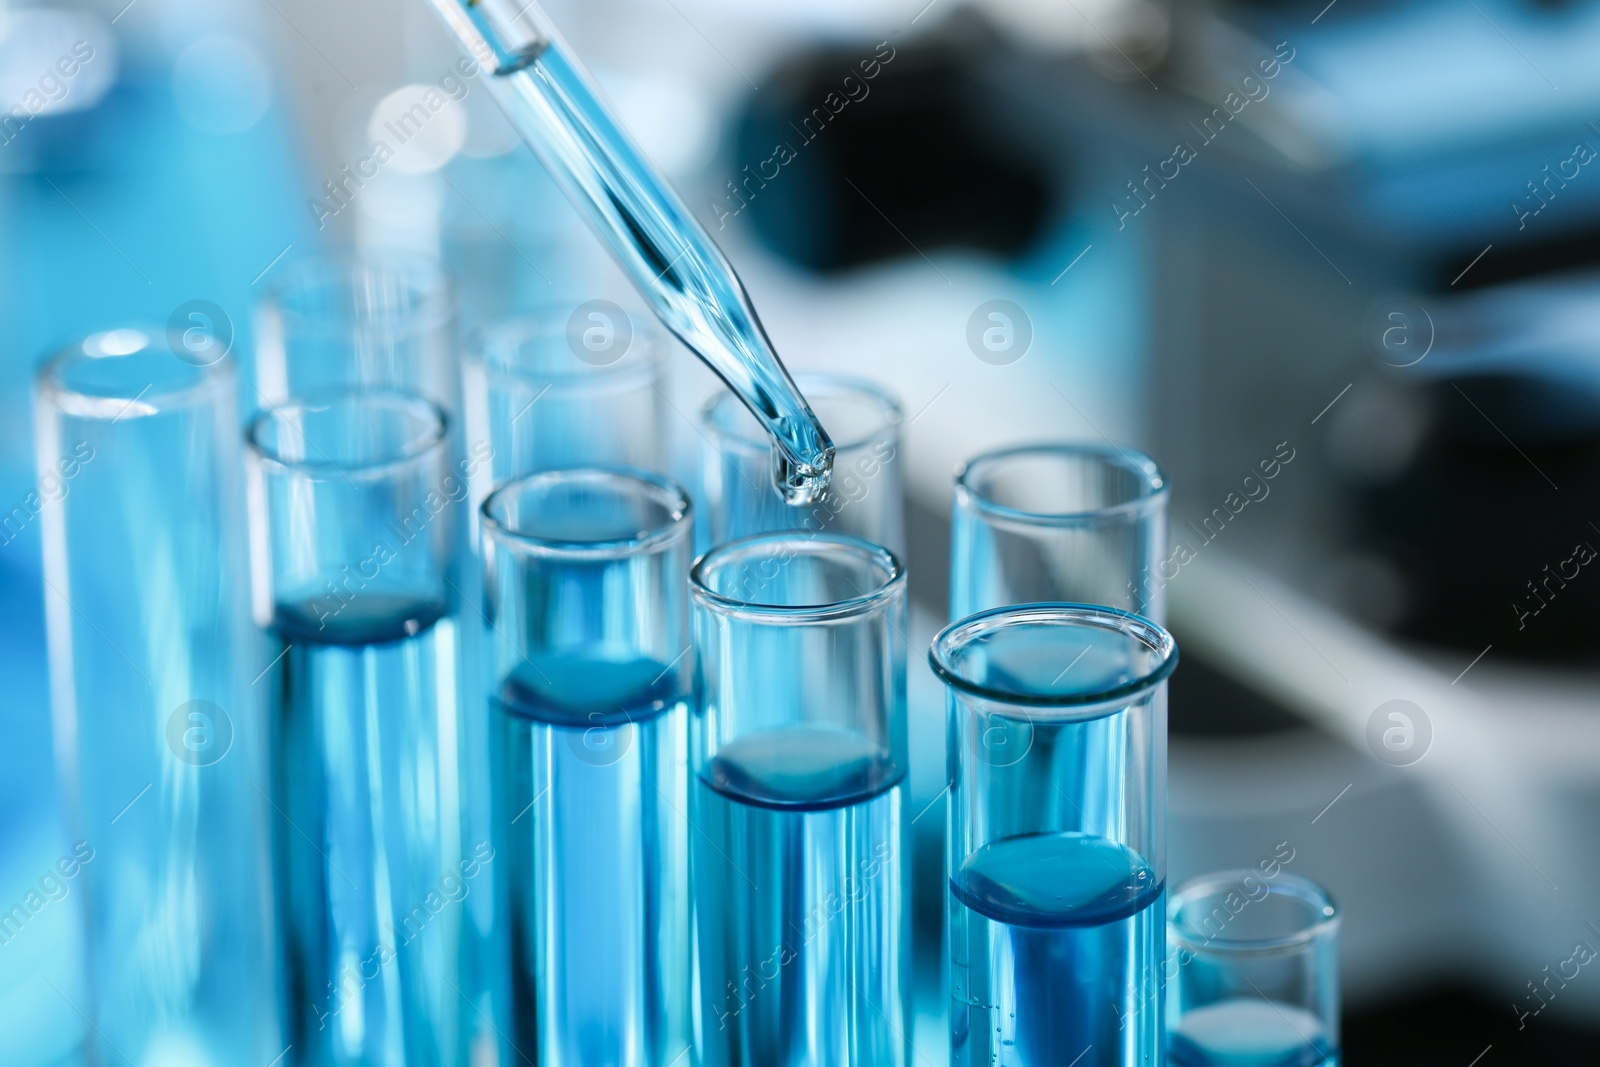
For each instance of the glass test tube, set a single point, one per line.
(539, 398)
(545, 392)
(1252, 972)
(866, 498)
(352, 500)
(588, 612)
(158, 727)
(1057, 855)
(1059, 523)
(339, 319)
(800, 859)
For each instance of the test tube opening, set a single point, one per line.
(804, 577)
(587, 512)
(855, 411)
(1069, 659)
(1286, 913)
(1059, 522)
(865, 497)
(385, 320)
(348, 433)
(390, 293)
(130, 373)
(540, 347)
(1062, 483)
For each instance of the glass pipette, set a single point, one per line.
(684, 277)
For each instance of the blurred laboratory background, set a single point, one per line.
(1334, 265)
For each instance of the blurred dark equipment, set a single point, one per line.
(1451, 1026)
(1203, 701)
(922, 167)
(1490, 522)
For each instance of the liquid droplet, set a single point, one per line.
(801, 485)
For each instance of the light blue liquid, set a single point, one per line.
(1055, 942)
(802, 956)
(591, 806)
(367, 855)
(1250, 1032)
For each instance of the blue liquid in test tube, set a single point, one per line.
(355, 540)
(801, 906)
(1058, 760)
(1073, 921)
(1250, 1032)
(1253, 972)
(588, 623)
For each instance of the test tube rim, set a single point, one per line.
(892, 586)
(962, 632)
(54, 389)
(651, 343)
(1298, 886)
(677, 526)
(1155, 482)
(806, 382)
(414, 452)
(435, 308)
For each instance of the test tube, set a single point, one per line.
(588, 615)
(352, 497)
(539, 398)
(1056, 829)
(1252, 972)
(1058, 522)
(866, 497)
(159, 730)
(343, 319)
(800, 860)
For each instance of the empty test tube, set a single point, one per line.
(1059, 523)
(160, 731)
(538, 396)
(1056, 846)
(343, 319)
